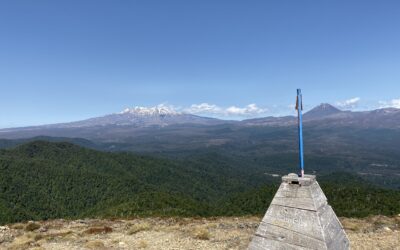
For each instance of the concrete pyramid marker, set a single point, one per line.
(299, 217)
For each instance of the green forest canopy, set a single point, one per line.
(42, 180)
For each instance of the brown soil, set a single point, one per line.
(376, 232)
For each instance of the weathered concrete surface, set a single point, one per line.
(299, 217)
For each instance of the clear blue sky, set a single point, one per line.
(69, 60)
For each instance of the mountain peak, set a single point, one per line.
(159, 110)
(322, 110)
(327, 106)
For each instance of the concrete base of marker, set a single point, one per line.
(299, 217)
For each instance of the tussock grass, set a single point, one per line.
(98, 230)
(32, 226)
(37, 237)
(18, 226)
(143, 244)
(352, 224)
(96, 244)
(61, 234)
(201, 233)
(22, 242)
(139, 227)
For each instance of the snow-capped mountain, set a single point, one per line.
(160, 115)
(129, 119)
(160, 110)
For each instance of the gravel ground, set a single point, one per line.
(377, 232)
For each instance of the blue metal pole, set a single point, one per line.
(299, 107)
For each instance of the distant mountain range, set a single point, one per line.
(130, 121)
(328, 115)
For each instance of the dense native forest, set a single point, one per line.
(42, 180)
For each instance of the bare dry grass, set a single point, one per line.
(377, 232)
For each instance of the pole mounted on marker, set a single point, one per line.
(299, 108)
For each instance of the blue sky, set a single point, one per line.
(69, 60)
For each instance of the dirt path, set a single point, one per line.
(175, 233)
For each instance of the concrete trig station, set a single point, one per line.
(299, 216)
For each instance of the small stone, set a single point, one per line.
(387, 229)
(5, 234)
